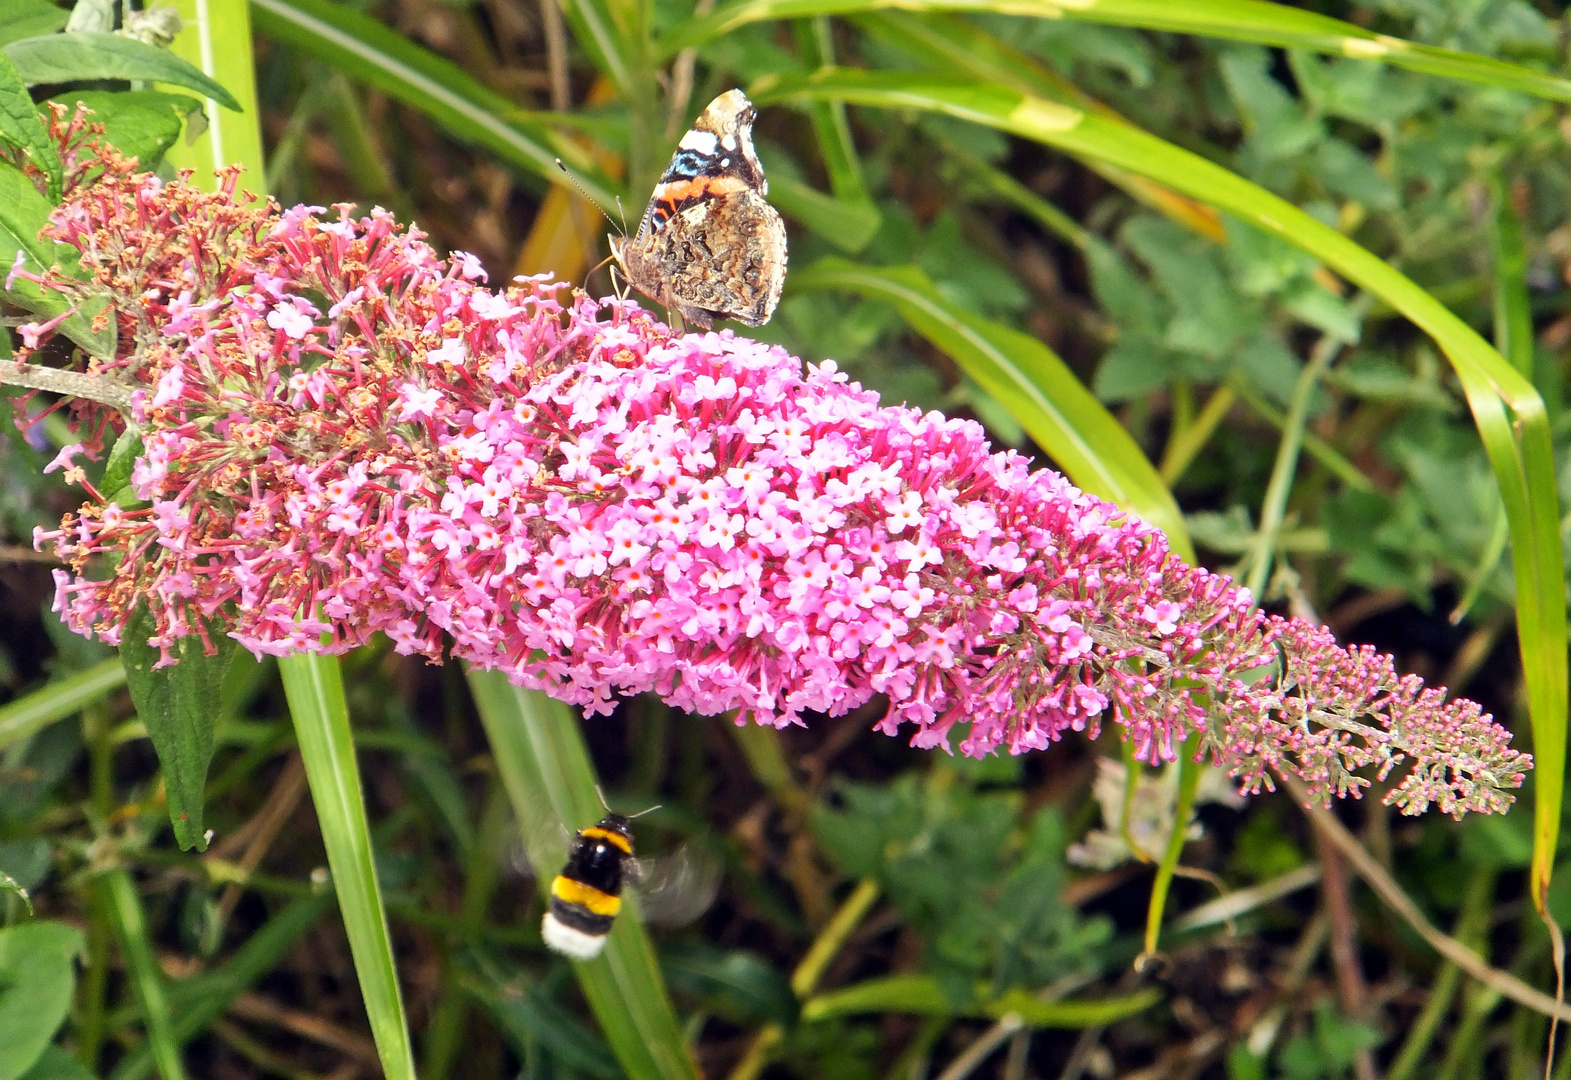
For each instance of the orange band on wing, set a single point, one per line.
(675, 191)
(587, 896)
(614, 839)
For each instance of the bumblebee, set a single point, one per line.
(587, 895)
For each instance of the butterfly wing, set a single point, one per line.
(708, 244)
(723, 258)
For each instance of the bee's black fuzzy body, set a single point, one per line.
(587, 895)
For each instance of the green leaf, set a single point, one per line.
(58, 58)
(27, 715)
(29, 18)
(37, 979)
(545, 766)
(57, 1064)
(1028, 379)
(179, 706)
(737, 984)
(139, 123)
(363, 48)
(847, 225)
(528, 1016)
(22, 127)
(314, 688)
(23, 212)
(116, 484)
(9, 884)
(1507, 410)
(1240, 20)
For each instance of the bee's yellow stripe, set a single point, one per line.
(587, 896)
(615, 839)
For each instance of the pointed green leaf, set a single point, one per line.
(29, 18)
(58, 58)
(56, 1063)
(179, 705)
(9, 884)
(37, 979)
(1028, 379)
(22, 127)
(116, 484)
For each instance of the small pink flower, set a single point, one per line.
(415, 401)
(293, 317)
(170, 387)
(65, 458)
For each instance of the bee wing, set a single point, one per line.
(545, 843)
(675, 889)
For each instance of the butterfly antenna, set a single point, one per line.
(641, 813)
(622, 211)
(601, 796)
(560, 164)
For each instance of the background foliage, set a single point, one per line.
(1247, 383)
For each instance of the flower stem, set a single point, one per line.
(1189, 773)
(1274, 508)
(804, 980)
(72, 383)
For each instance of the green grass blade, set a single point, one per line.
(923, 996)
(378, 56)
(1189, 773)
(597, 29)
(948, 43)
(1238, 20)
(33, 712)
(315, 689)
(1513, 310)
(147, 982)
(545, 766)
(832, 131)
(203, 999)
(1508, 411)
(212, 44)
(1028, 379)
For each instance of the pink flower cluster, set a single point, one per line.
(343, 434)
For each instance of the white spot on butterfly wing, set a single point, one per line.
(703, 142)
